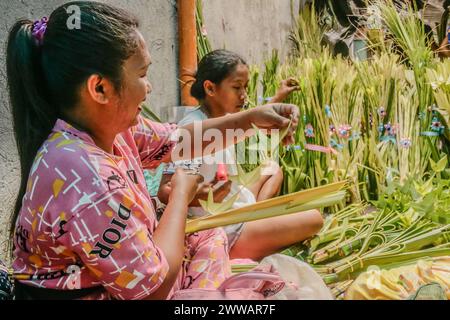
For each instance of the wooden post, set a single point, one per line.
(187, 49)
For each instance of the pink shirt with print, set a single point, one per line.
(89, 211)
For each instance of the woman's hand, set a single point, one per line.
(276, 116)
(444, 49)
(271, 116)
(287, 86)
(169, 235)
(184, 185)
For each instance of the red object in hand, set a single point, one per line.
(221, 174)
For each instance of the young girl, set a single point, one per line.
(83, 225)
(221, 86)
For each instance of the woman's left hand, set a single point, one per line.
(444, 49)
(276, 116)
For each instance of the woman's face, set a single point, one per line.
(230, 95)
(135, 85)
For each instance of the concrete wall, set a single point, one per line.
(252, 28)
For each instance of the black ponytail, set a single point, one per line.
(33, 117)
(215, 67)
(44, 77)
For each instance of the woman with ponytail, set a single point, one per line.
(83, 224)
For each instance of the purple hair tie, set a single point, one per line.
(39, 27)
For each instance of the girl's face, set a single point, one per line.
(230, 95)
(135, 86)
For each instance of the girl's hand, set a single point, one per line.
(219, 193)
(276, 116)
(287, 86)
(184, 185)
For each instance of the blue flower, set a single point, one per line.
(405, 143)
(334, 144)
(344, 131)
(293, 147)
(390, 129)
(436, 126)
(309, 131)
(328, 111)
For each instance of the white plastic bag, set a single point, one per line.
(309, 285)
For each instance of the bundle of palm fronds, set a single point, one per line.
(203, 44)
(411, 221)
(221, 215)
(377, 122)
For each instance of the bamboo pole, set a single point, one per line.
(187, 49)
